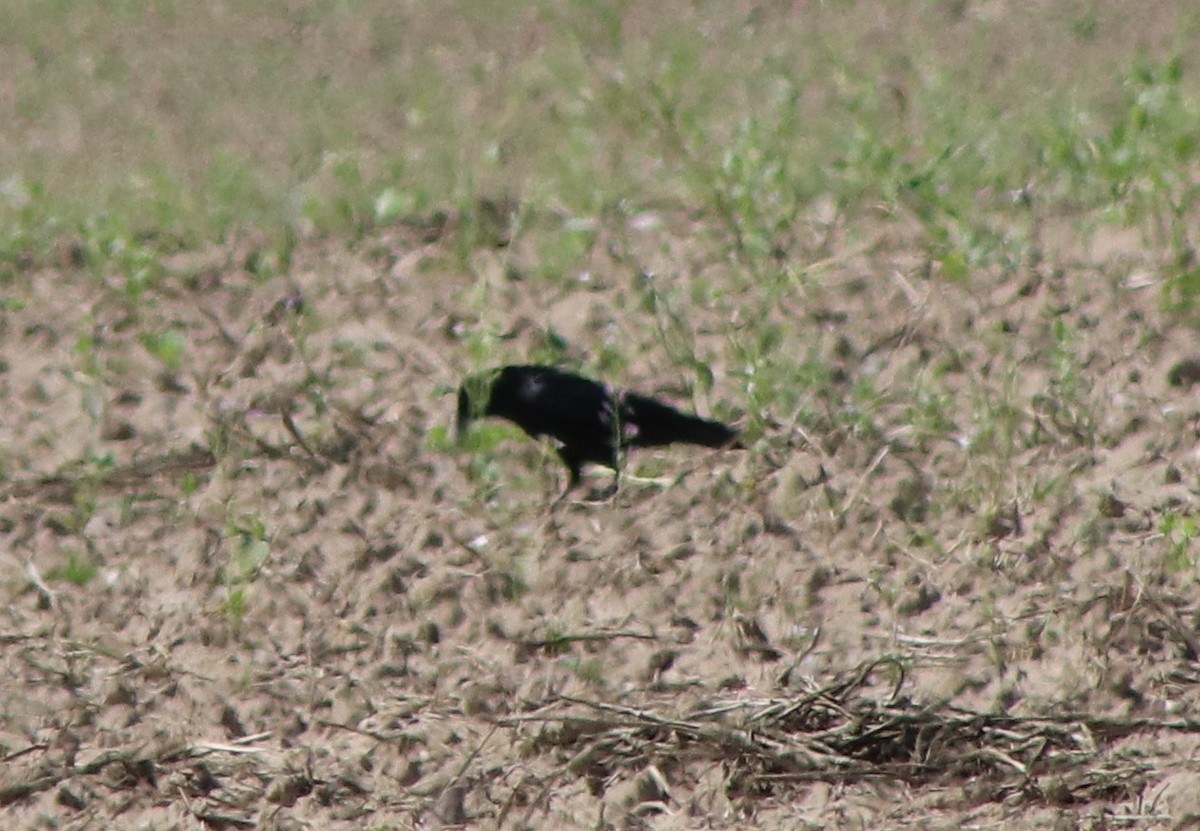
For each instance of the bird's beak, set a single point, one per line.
(463, 420)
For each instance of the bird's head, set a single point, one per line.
(474, 398)
(463, 419)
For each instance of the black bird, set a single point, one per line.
(589, 422)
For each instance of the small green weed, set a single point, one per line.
(237, 603)
(77, 570)
(249, 548)
(1178, 531)
(169, 347)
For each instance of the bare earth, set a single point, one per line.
(256, 590)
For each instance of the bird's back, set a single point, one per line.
(544, 401)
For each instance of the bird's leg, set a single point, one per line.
(574, 472)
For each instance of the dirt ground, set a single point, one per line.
(247, 586)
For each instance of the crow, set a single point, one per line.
(588, 421)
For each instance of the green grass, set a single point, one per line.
(188, 124)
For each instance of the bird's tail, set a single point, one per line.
(646, 422)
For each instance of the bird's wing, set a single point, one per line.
(564, 405)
